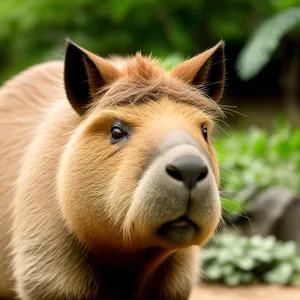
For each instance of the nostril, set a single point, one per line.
(203, 173)
(173, 172)
(188, 169)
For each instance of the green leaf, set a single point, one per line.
(264, 41)
(248, 277)
(233, 279)
(261, 255)
(209, 254)
(171, 61)
(232, 205)
(280, 275)
(259, 142)
(225, 256)
(296, 264)
(286, 251)
(214, 272)
(256, 241)
(228, 270)
(269, 242)
(295, 280)
(246, 263)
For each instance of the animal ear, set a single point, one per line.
(206, 69)
(84, 74)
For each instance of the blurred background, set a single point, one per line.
(258, 143)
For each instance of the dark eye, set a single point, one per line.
(204, 132)
(118, 132)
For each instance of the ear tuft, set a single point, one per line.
(84, 74)
(76, 78)
(206, 71)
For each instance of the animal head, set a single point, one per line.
(140, 169)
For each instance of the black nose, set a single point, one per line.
(189, 169)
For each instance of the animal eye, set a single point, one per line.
(116, 134)
(119, 131)
(204, 132)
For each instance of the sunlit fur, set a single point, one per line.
(114, 188)
(81, 213)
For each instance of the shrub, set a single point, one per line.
(257, 158)
(235, 260)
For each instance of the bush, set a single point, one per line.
(234, 260)
(257, 158)
(32, 31)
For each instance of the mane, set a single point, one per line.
(144, 80)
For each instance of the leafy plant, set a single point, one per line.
(32, 31)
(264, 41)
(171, 61)
(234, 260)
(255, 158)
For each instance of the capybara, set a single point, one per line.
(109, 180)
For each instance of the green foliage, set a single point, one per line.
(257, 158)
(32, 31)
(264, 41)
(171, 61)
(235, 260)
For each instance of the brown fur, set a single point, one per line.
(74, 208)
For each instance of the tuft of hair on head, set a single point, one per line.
(198, 81)
(206, 70)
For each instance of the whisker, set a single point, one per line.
(228, 170)
(232, 112)
(228, 219)
(243, 215)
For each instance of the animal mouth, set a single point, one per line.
(179, 231)
(181, 222)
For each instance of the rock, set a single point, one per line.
(288, 226)
(275, 211)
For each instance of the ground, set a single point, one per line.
(253, 292)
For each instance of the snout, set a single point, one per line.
(188, 169)
(177, 200)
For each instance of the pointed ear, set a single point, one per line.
(206, 69)
(84, 74)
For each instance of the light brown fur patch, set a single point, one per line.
(66, 192)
